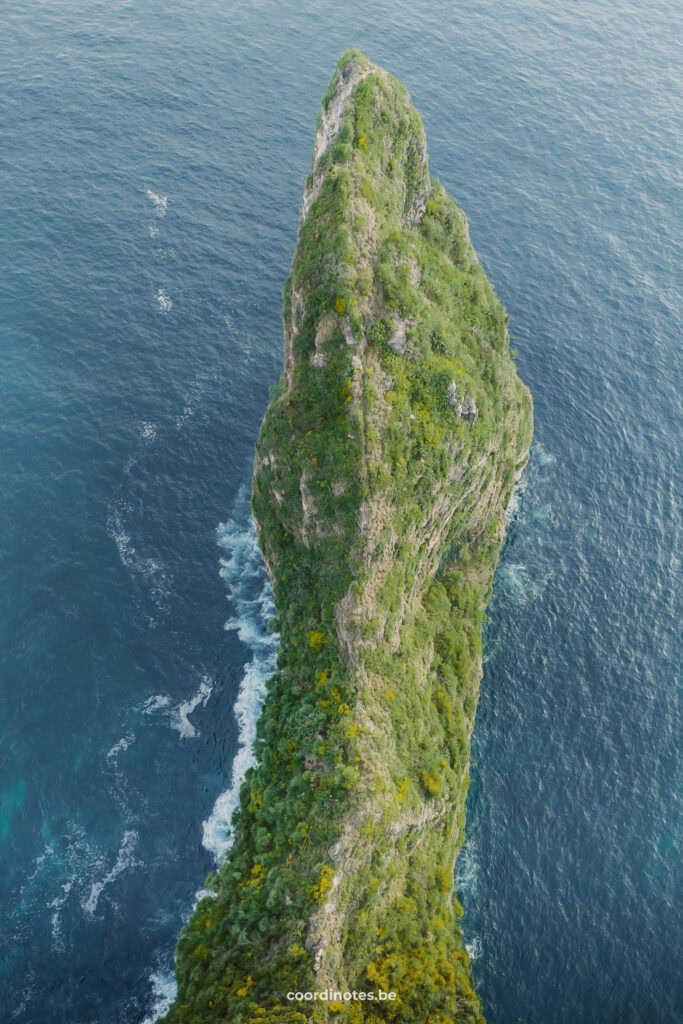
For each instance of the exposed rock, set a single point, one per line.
(397, 339)
(348, 336)
(465, 407)
(418, 194)
(330, 122)
(468, 409)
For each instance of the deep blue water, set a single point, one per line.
(152, 158)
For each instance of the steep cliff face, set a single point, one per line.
(383, 471)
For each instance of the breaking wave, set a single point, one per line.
(252, 599)
(164, 991)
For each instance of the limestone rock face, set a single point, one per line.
(383, 470)
(468, 409)
(465, 407)
(397, 341)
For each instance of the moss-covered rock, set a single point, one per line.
(383, 471)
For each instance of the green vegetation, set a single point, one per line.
(384, 466)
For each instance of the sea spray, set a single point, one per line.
(163, 993)
(250, 592)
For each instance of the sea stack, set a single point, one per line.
(383, 471)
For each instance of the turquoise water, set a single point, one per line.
(152, 164)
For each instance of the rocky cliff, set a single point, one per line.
(383, 470)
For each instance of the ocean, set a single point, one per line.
(152, 161)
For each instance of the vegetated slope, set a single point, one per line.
(383, 470)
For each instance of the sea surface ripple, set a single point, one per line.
(152, 163)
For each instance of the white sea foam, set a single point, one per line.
(160, 202)
(124, 860)
(38, 863)
(56, 906)
(165, 303)
(522, 501)
(187, 414)
(122, 744)
(180, 719)
(28, 990)
(61, 867)
(178, 714)
(164, 990)
(150, 569)
(514, 505)
(156, 703)
(68, 869)
(72, 868)
(252, 599)
(200, 895)
(153, 230)
(516, 581)
(193, 396)
(541, 455)
(147, 431)
(524, 512)
(467, 874)
(217, 832)
(31, 893)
